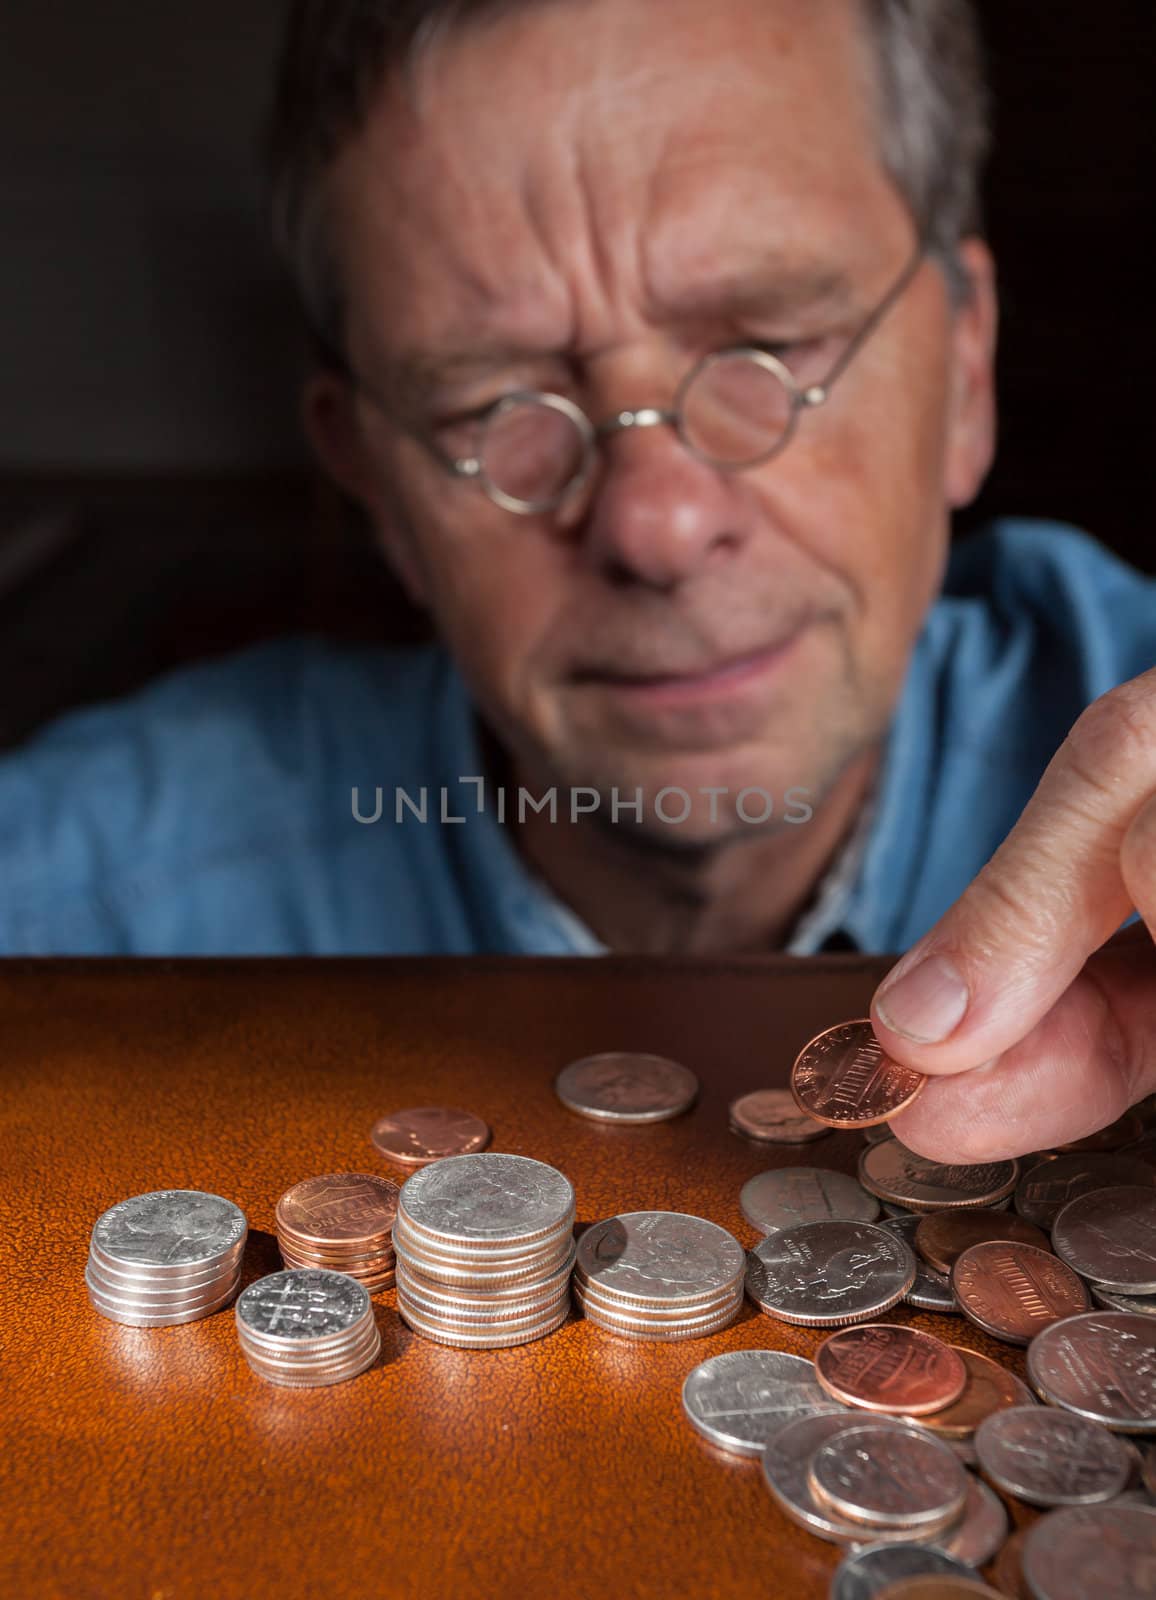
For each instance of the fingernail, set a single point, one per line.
(925, 1004)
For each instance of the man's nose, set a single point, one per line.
(654, 513)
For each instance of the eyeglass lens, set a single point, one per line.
(734, 412)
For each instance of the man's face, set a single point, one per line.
(589, 199)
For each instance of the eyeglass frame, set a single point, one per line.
(800, 399)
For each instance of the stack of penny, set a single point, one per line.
(485, 1248)
(659, 1275)
(340, 1223)
(307, 1329)
(170, 1256)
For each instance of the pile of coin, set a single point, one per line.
(305, 1329)
(340, 1223)
(170, 1256)
(659, 1275)
(485, 1248)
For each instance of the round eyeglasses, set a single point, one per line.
(736, 408)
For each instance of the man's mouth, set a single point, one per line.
(730, 676)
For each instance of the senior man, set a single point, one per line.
(656, 341)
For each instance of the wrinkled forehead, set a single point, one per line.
(615, 150)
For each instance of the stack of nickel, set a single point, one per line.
(659, 1275)
(170, 1256)
(340, 1223)
(306, 1329)
(485, 1248)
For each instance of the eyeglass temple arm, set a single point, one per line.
(815, 394)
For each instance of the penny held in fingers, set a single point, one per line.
(843, 1078)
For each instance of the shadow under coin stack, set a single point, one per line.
(307, 1329)
(167, 1257)
(340, 1223)
(485, 1248)
(659, 1275)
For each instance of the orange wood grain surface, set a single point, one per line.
(152, 1464)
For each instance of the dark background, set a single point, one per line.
(156, 503)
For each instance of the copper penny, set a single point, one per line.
(1014, 1291)
(422, 1134)
(990, 1387)
(943, 1236)
(880, 1366)
(1008, 1570)
(342, 1209)
(843, 1078)
(772, 1117)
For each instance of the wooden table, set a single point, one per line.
(152, 1464)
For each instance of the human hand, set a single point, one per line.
(1034, 1018)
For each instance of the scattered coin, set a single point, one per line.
(876, 1132)
(739, 1399)
(935, 1588)
(786, 1462)
(931, 1290)
(621, 1086)
(842, 1077)
(1043, 1193)
(896, 1174)
(1110, 1237)
(342, 1222)
(827, 1274)
(1148, 1468)
(484, 1248)
(306, 1329)
(772, 1117)
(990, 1387)
(887, 1367)
(865, 1574)
(1052, 1458)
(888, 1478)
(1125, 1130)
(1008, 1574)
(1144, 1305)
(779, 1199)
(943, 1236)
(1105, 1552)
(421, 1134)
(981, 1530)
(659, 1274)
(1101, 1366)
(167, 1257)
(1012, 1291)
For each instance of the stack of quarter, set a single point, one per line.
(340, 1223)
(659, 1275)
(485, 1247)
(170, 1256)
(307, 1329)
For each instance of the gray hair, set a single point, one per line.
(928, 83)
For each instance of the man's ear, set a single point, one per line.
(336, 432)
(972, 417)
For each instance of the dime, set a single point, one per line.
(421, 1134)
(895, 1173)
(866, 1573)
(989, 1388)
(772, 1117)
(739, 1399)
(1043, 1193)
(297, 1307)
(1105, 1552)
(779, 1199)
(660, 1258)
(943, 1236)
(786, 1460)
(842, 1077)
(1012, 1291)
(343, 1210)
(1100, 1365)
(621, 1086)
(884, 1367)
(883, 1476)
(1051, 1458)
(169, 1228)
(826, 1274)
(1125, 1130)
(1110, 1237)
(1144, 1305)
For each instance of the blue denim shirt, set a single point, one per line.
(212, 813)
